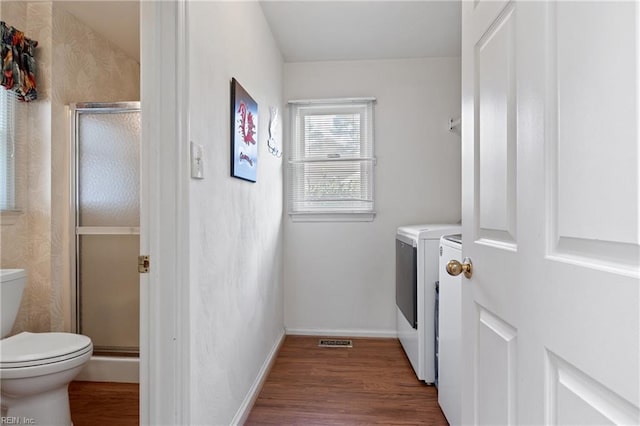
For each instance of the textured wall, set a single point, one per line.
(27, 243)
(13, 238)
(236, 293)
(74, 65)
(341, 276)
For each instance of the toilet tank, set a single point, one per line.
(12, 282)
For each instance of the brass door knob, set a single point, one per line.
(456, 268)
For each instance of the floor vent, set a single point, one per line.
(334, 343)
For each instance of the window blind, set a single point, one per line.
(8, 130)
(331, 166)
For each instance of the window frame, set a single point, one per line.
(306, 211)
(8, 147)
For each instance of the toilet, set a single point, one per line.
(35, 368)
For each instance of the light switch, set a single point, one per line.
(197, 161)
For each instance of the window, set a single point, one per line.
(331, 166)
(8, 124)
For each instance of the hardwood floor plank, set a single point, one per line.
(371, 383)
(99, 403)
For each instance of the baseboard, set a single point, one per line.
(245, 409)
(341, 333)
(111, 369)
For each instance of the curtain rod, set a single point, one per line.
(331, 100)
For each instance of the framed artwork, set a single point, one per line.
(244, 134)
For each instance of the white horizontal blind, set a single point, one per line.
(331, 167)
(8, 130)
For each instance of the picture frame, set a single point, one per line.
(244, 134)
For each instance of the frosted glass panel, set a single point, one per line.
(108, 169)
(110, 295)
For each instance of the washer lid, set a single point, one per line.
(428, 231)
(26, 349)
(455, 238)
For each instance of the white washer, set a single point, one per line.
(416, 330)
(450, 332)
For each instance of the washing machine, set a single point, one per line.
(450, 331)
(416, 276)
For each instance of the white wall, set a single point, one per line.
(236, 237)
(340, 277)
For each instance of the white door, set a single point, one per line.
(551, 107)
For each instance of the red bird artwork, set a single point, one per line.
(246, 124)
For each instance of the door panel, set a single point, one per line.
(595, 209)
(108, 169)
(597, 144)
(495, 106)
(110, 294)
(496, 370)
(551, 317)
(576, 399)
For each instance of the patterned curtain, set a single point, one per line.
(17, 56)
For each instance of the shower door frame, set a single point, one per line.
(75, 110)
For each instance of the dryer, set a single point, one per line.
(416, 276)
(450, 332)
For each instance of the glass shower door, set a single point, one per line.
(107, 189)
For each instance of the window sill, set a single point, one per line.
(332, 217)
(9, 217)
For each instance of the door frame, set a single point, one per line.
(74, 111)
(164, 211)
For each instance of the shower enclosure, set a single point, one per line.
(106, 206)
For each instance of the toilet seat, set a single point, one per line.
(35, 349)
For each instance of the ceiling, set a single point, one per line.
(116, 21)
(352, 30)
(314, 30)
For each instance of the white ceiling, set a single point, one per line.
(116, 21)
(344, 30)
(314, 30)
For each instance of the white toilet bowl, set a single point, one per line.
(36, 368)
(35, 372)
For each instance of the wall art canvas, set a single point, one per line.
(244, 134)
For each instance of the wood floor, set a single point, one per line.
(98, 404)
(371, 383)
